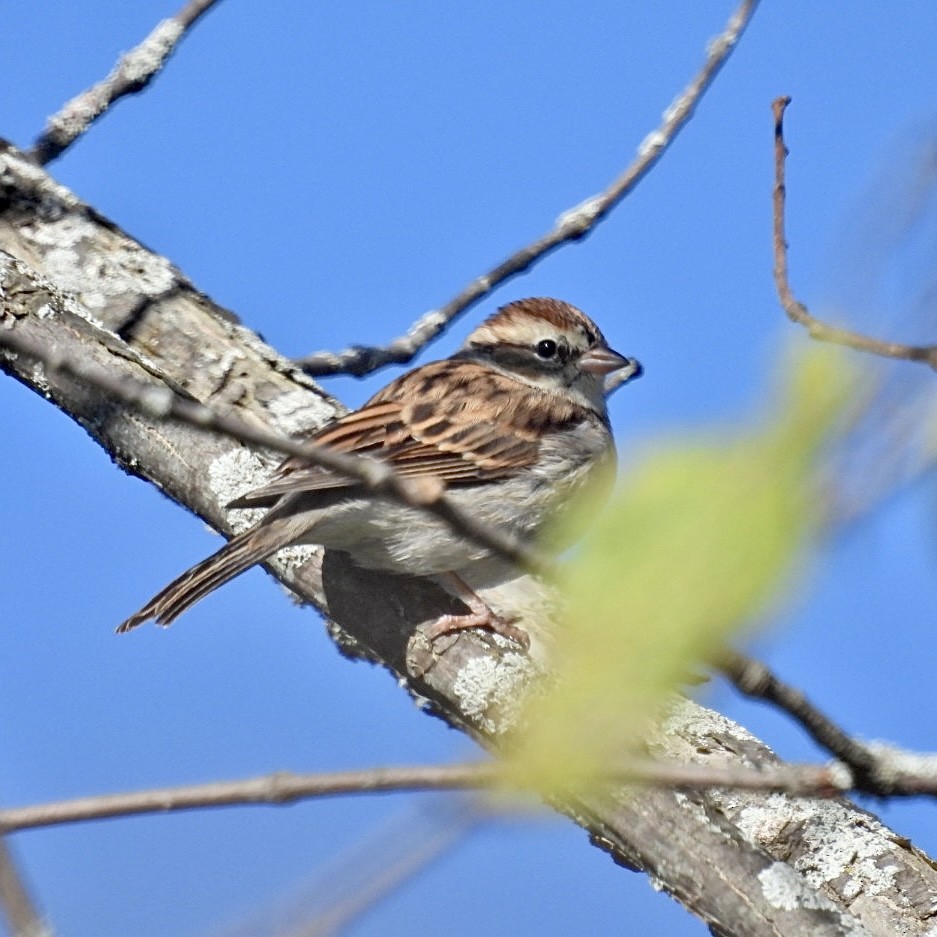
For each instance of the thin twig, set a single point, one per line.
(160, 402)
(17, 908)
(286, 787)
(876, 768)
(796, 310)
(273, 789)
(572, 225)
(753, 679)
(132, 73)
(617, 379)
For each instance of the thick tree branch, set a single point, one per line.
(572, 225)
(733, 858)
(796, 310)
(132, 73)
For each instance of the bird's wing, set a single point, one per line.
(459, 421)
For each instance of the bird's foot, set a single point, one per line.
(449, 624)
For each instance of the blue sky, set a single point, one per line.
(330, 172)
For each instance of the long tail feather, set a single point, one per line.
(237, 555)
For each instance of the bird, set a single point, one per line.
(513, 424)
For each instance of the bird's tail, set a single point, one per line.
(238, 554)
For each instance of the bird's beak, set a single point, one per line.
(601, 360)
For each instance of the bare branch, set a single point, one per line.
(796, 310)
(17, 909)
(132, 73)
(572, 225)
(161, 402)
(753, 679)
(286, 787)
(272, 789)
(878, 769)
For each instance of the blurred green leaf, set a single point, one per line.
(702, 536)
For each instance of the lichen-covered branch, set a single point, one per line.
(132, 73)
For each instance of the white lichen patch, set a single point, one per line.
(297, 412)
(695, 808)
(68, 231)
(490, 690)
(676, 106)
(784, 889)
(688, 731)
(30, 177)
(653, 141)
(232, 474)
(899, 763)
(40, 380)
(218, 367)
(253, 342)
(420, 701)
(148, 57)
(430, 322)
(61, 301)
(582, 214)
(96, 276)
(836, 846)
(296, 555)
(839, 845)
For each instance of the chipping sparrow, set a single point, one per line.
(514, 423)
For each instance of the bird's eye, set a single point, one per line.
(546, 348)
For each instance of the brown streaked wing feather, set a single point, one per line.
(362, 432)
(471, 424)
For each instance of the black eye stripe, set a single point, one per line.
(518, 355)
